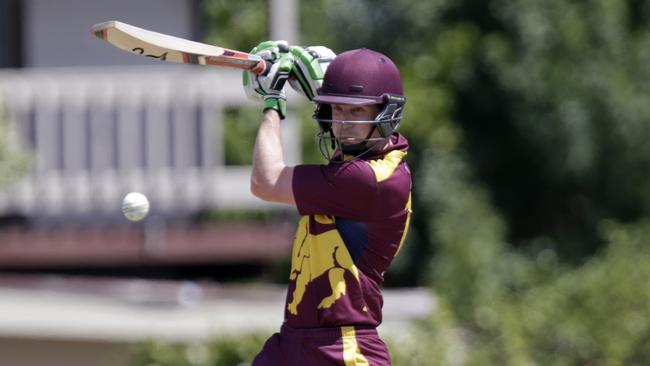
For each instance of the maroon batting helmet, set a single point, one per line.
(361, 77)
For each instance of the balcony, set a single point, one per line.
(95, 134)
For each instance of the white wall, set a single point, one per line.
(57, 33)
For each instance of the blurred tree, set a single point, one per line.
(547, 101)
(239, 25)
(545, 104)
(572, 80)
(235, 350)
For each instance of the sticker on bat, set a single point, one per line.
(140, 51)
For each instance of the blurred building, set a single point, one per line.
(99, 122)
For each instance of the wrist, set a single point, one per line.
(279, 105)
(271, 115)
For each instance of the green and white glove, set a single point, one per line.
(268, 86)
(309, 68)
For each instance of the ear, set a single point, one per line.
(374, 109)
(323, 111)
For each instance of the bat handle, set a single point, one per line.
(262, 67)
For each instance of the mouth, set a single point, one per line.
(349, 140)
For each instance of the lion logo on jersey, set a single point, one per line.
(316, 255)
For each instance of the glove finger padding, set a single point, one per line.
(252, 86)
(270, 50)
(273, 83)
(309, 68)
(258, 87)
(278, 74)
(269, 86)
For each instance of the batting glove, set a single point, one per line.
(309, 68)
(268, 87)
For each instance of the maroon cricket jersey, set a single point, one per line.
(355, 219)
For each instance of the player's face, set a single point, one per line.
(351, 133)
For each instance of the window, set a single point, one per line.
(10, 33)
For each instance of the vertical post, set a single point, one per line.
(284, 20)
(284, 25)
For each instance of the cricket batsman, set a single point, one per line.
(355, 210)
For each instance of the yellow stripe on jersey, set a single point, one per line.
(406, 225)
(351, 352)
(385, 166)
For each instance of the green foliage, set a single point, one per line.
(596, 314)
(436, 341)
(575, 79)
(14, 161)
(225, 351)
(238, 25)
(268, 216)
(470, 233)
(241, 26)
(309, 128)
(240, 126)
(537, 312)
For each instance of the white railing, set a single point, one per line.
(97, 133)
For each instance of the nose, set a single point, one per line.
(340, 126)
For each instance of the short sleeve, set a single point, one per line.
(346, 190)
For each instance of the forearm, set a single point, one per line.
(268, 158)
(271, 178)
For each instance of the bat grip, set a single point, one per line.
(262, 67)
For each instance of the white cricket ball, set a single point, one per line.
(135, 206)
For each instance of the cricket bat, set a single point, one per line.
(173, 49)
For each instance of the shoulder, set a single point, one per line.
(357, 172)
(384, 167)
(348, 189)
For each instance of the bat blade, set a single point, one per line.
(173, 49)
